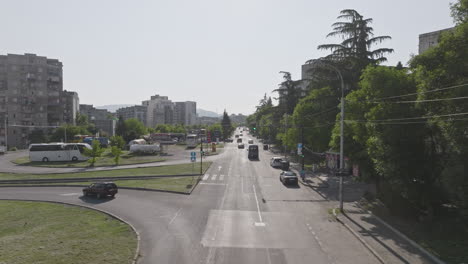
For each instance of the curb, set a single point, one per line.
(125, 188)
(404, 237)
(376, 255)
(137, 251)
(91, 179)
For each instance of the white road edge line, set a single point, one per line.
(258, 206)
(176, 214)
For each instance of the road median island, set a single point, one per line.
(180, 178)
(43, 232)
(105, 160)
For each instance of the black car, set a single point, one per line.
(289, 177)
(101, 189)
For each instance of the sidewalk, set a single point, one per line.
(387, 244)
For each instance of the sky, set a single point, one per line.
(223, 54)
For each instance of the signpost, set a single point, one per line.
(193, 156)
(299, 148)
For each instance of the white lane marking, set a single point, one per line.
(221, 177)
(176, 214)
(258, 206)
(205, 177)
(219, 168)
(70, 194)
(214, 177)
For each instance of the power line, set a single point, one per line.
(407, 118)
(422, 92)
(407, 122)
(423, 101)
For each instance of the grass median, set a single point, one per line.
(105, 160)
(176, 184)
(39, 232)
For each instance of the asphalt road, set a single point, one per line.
(239, 213)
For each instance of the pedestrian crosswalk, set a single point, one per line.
(214, 177)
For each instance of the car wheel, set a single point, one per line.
(74, 158)
(45, 159)
(99, 196)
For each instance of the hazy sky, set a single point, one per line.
(219, 53)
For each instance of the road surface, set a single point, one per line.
(239, 213)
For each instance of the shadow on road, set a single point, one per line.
(94, 200)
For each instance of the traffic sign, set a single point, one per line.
(193, 159)
(299, 148)
(193, 154)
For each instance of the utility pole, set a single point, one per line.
(302, 142)
(285, 131)
(201, 153)
(342, 165)
(6, 132)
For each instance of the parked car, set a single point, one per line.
(288, 177)
(275, 162)
(230, 140)
(250, 141)
(101, 189)
(2, 149)
(241, 145)
(265, 147)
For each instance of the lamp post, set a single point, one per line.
(342, 165)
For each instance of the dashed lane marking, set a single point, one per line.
(214, 177)
(221, 177)
(206, 177)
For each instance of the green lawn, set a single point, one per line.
(38, 232)
(187, 168)
(105, 160)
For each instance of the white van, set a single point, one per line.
(275, 162)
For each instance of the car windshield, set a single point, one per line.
(288, 173)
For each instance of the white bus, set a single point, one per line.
(192, 140)
(58, 152)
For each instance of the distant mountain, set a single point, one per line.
(207, 113)
(113, 108)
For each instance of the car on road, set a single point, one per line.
(275, 162)
(289, 177)
(230, 140)
(241, 145)
(101, 189)
(250, 141)
(239, 140)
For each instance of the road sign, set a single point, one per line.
(193, 154)
(299, 148)
(193, 159)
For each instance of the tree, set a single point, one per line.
(459, 11)
(226, 125)
(289, 94)
(357, 40)
(120, 129)
(70, 131)
(95, 152)
(38, 136)
(117, 141)
(133, 129)
(116, 152)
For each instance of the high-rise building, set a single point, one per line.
(71, 103)
(185, 113)
(430, 39)
(136, 111)
(102, 119)
(31, 96)
(157, 107)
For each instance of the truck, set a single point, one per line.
(253, 152)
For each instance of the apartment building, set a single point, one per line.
(32, 97)
(136, 111)
(157, 107)
(102, 119)
(185, 113)
(430, 39)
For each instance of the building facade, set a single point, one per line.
(136, 111)
(102, 119)
(157, 107)
(31, 97)
(430, 39)
(185, 113)
(71, 103)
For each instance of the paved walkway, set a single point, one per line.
(389, 245)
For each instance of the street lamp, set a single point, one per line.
(342, 165)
